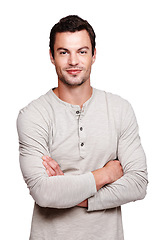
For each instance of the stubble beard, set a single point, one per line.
(72, 82)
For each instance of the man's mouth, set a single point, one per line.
(73, 71)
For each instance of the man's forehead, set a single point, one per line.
(77, 39)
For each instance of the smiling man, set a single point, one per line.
(73, 58)
(73, 64)
(80, 152)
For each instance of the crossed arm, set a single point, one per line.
(111, 172)
(114, 186)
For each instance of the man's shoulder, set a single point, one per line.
(37, 109)
(112, 99)
(35, 117)
(39, 104)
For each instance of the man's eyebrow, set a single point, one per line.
(85, 47)
(61, 48)
(65, 49)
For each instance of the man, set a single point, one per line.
(80, 152)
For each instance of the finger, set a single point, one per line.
(47, 158)
(54, 165)
(49, 170)
(45, 164)
(48, 173)
(48, 161)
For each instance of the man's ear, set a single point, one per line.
(51, 57)
(94, 56)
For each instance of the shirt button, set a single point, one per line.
(82, 144)
(81, 128)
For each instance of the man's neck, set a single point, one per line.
(76, 95)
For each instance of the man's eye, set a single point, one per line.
(83, 52)
(63, 53)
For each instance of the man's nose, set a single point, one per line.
(73, 59)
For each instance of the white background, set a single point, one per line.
(128, 64)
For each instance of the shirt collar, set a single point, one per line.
(75, 109)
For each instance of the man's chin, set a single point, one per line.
(72, 83)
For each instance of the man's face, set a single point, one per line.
(73, 57)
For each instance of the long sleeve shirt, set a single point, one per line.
(81, 141)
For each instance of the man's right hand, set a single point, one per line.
(110, 173)
(114, 171)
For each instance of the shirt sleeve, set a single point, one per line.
(132, 186)
(57, 191)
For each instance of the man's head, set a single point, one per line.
(71, 23)
(72, 50)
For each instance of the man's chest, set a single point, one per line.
(84, 143)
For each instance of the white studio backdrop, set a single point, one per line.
(127, 64)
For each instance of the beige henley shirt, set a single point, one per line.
(80, 140)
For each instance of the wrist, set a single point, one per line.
(83, 204)
(100, 177)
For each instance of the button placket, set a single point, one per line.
(82, 138)
(78, 113)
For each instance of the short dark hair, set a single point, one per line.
(71, 23)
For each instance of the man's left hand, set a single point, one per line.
(52, 167)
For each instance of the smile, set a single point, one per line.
(73, 71)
